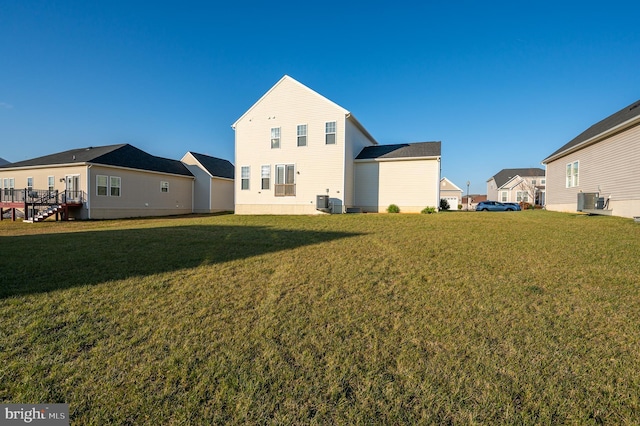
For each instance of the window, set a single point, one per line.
(522, 196)
(275, 137)
(30, 183)
(285, 180)
(330, 132)
(114, 186)
(244, 175)
(302, 135)
(164, 186)
(265, 174)
(51, 180)
(101, 184)
(543, 181)
(503, 196)
(533, 181)
(572, 174)
(9, 185)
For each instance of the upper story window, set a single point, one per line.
(244, 177)
(164, 186)
(302, 135)
(275, 137)
(330, 132)
(533, 181)
(543, 181)
(572, 174)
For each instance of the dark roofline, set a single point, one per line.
(401, 151)
(505, 175)
(216, 167)
(121, 155)
(625, 118)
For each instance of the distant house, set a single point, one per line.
(518, 185)
(450, 192)
(297, 152)
(472, 201)
(603, 160)
(3, 161)
(104, 182)
(213, 187)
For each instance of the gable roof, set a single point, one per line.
(627, 116)
(122, 155)
(3, 161)
(505, 175)
(292, 80)
(454, 187)
(404, 150)
(215, 166)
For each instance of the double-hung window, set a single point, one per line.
(275, 137)
(51, 182)
(30, 183)
(114, 186)
(302, 135)
(265, 175)
(330, 133)
(244, 177)
(503, 197)
(164, 186)
(285, 180)
(101, 184)
(572, 174)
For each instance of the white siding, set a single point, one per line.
(609, 167)
(410, 184)
(318, 167)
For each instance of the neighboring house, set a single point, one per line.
(3, 161)
(213, 187)
(472, 201)
(450, 192)
(602, 160)
(296, 150)
(105, 182)
(518, 185)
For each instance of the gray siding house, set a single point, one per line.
(603, 160)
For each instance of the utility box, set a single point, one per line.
(600, 203)
(322, 203)
(588, 201)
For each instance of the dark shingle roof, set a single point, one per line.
(3, 161)
(215, 166)
(625, 114)
(404, 150)
(505, 175)
(122, 155)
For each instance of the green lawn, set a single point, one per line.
(456, 318)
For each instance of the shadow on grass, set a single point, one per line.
(41, 263)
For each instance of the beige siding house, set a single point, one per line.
(106, 182)
(603, 160)
(518, 185)
(406, 175)
(450, 192)
(213, 186)
(294, 147)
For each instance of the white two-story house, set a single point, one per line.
(294, 145)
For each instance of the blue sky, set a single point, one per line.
(502, 84)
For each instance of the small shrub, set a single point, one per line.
(444, 204)
(459, 206)
(393, 209)
(428, 210)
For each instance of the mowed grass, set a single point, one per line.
(455, 318)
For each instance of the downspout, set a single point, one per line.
(438, 183)
(89, 192)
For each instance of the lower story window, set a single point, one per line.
(164, 186)
(265, 173)
(101, 184)
(114, 186)
(285, 185)
(244, 177)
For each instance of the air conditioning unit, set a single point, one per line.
(322, 203)
(587, 201)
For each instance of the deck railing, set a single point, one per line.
(40, 196)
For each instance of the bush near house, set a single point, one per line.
(444, 204)
(428, 210)
(393, 209)
(341, 319)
